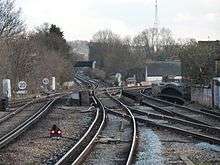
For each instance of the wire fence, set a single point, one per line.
(202, 95)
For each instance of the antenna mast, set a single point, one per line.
(156, 27)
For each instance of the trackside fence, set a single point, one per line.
(202, 95)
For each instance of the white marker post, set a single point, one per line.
(146, 74)
(7, 88)
(53, 86)
(93, 64)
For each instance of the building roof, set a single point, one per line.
(84, 64)
(215, 45)
(161, 68)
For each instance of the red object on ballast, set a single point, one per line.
(55, 132)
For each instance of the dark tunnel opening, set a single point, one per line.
(172, 92)
(172, 95)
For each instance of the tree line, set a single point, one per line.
(117, 54)
(31, 56)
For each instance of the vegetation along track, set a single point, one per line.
(78, 152)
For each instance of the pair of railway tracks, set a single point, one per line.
(17, 122)
(186, 122)
(167, 119)
(4, 140)
(82, 148)
(77, 154)
(129, 113)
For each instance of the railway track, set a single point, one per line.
(174, 110)
(188, 113)
(79, 151)
(195, 125)
(12, 128)
(24, 103)
(21, 102)
(129, 113)
(209, 113)
(200, 131)
(126, 110)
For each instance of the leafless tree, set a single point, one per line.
(197, 62)
(146, 41)
(27, 57)
(143, 43)
(113, 53)
(10, 19)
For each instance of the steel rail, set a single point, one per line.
(134, 140)
(177, 120)
(210, 114)
(209, 139)
(26, 104)
(6, 117)
(78, 152)
(25, 125)
(160, 109)
(163, 110)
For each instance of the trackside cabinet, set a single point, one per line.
(3, 103)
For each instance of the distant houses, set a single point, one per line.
(79, 49)
(155, 71)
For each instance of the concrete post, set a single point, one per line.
(53, 86)
(216, 91)
(118, 78)
(213, 95)
(7, 88)
(93, 64)
(146, 74)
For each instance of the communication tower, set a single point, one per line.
(156, 27)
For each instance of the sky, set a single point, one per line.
(81, 19)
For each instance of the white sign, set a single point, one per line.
(22, 92)
(22, 85)
(45, 81)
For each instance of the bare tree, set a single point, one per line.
(113, 53)
(197, 62)
(10, 19)
(106, 36)
(143, 43)
(146, 41)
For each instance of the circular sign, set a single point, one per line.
(22, 85)
(45, 81)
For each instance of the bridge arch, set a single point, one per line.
(172, 90)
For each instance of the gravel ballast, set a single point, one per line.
(36, 147)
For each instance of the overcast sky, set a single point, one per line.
(80, 19)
